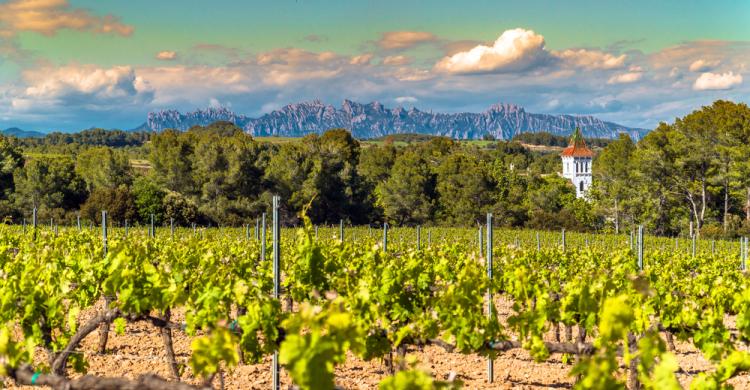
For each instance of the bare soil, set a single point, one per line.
(141, 350)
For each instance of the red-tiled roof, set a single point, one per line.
(577, 146)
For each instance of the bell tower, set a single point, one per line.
(576, 161)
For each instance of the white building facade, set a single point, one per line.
(577, 159)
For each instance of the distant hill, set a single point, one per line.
(16, 132)
(547, 139)
(406, 137)
(373, 120)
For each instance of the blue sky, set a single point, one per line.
(69, 65)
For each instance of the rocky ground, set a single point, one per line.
(140, 350)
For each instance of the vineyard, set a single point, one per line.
(615, 311)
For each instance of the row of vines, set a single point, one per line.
(616, 321)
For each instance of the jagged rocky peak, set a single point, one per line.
(376, 106)
(374, 119)
(506, 108)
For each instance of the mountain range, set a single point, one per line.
(16, 132)
(372, 120)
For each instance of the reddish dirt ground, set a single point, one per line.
(140, 350)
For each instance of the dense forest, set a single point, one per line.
(695, 169)
(548, 139)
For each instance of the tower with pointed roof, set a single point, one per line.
(576, 161)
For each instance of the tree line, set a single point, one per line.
(219, 175)
(696, 169)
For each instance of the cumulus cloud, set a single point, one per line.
(166, 55)
(702, 65)
(515, 68)
(452, 47)
(717, 81)
(118, 81)
(294, 56)
(82, 93)
(625, 78)
(196, 83)
(406, 99)
(399, 40)
(362, 59)
(396, 60)
(702, 56)
(591, 59)
(514, 50)
(47, 17)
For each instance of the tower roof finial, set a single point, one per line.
(577, 146)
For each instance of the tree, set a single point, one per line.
(179, 209)
(509, 191)
(148, 199)
(613, 175)
(118, 202)
(104, 167)
(552, 205)
(731, 123)
(464, 190)
(286, 172)
(321, 172)
(10, 160)
(49, 184)
(408, 196)
(374, 168)
(656, 201)
(172, 161)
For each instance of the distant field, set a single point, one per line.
(34, 155)
(400, 141)
(276, 140)
(141, 165)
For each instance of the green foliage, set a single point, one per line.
(210, 351)
(118, 202)
(352, 297)
(103, 167)
(10, 160)
(148, 199)
(318, 339)
(548, 139)
(415, 379)
(182, 210)
(408, 196)
(49, 184)
(464, 190)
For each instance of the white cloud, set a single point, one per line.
(406, 99)
(702, 65)
(514, 50)
(410, 74)
(294, 56)
(71, 81)
(197, 84)
(591, 59)
(47, 17)
(398, 40)
(625, 78)
(166, 55)
(518, 69)
(281, 77)
(362, 59)
(396, 60)
(716, 81)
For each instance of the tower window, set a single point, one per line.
(581, 185)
